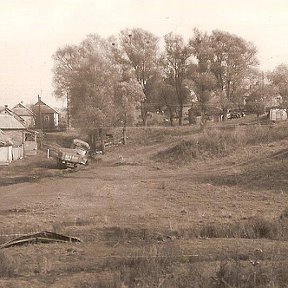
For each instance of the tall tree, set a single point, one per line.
(164, 98)
(177, 55)
(128, 96)
(66, 65)
(139, 50)
(260, 94)
(279, 78)
(232, 59)
(203, 79)
(86, 73)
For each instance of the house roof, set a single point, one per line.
(44, 108)
(22, 110)
(9, 122)
(4, 139)
(6, 111)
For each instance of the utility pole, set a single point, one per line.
(68, 111)
(40, 117)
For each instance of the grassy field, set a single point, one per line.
(173, 208)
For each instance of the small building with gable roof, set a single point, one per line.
(25, 113)
(24, 140)
(46, 118)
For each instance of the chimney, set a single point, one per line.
(6, 106)
(39, 98)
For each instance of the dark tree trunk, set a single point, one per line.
(171, 116)
(124, 130)
(225, 112)
(144, 115)
(102, 139)
(180, 115)
(203, 121)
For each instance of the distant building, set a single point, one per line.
(277, 114)
(46, 118)
(13, 128)
(23, 140)
(25, 113)
(7, 111)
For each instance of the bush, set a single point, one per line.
(262, 228)
(253, 228)
(240, 274)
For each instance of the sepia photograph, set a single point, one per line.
(143, 143)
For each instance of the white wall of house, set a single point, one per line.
(56, 119)
(5, 155)
(278, 114)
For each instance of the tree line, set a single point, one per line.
(106, 81)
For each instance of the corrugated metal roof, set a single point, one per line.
(9, 122)
(7, 111)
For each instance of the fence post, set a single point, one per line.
(102, 140)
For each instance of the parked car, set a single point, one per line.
(235, 115)
(75, 156)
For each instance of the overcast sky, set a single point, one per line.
(32, 30)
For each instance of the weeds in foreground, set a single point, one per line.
(171, 273)
(251, 228)
(241, 274)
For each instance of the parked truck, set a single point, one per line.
(75, 156)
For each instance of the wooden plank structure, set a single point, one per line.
(39, 237)
(103, 137)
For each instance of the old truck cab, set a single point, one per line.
(75, 156)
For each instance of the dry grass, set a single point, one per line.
(220, 142)
(152, 225)
(253, 228)
(7, 267)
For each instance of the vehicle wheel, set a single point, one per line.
(77, 167)
(59, 164)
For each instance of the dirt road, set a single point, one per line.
(122, 198)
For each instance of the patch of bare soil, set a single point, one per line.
(140, 221)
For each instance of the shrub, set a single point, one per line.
(253, 228)
(262, 228)
(240, 274)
